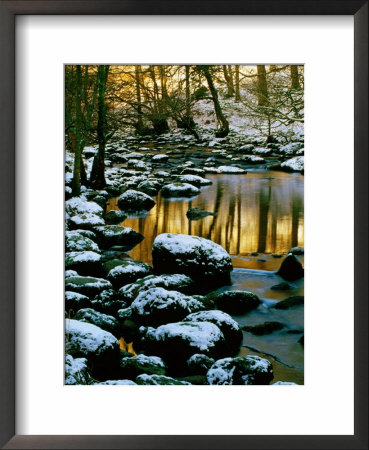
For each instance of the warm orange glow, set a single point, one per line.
(127, 347)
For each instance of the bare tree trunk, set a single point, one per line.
(262, 86)
(295, 77)
(76, 182)
(140, 124)
(229, 81)
(218, 110)
(188, 94)
(97, 177)
(230, 74)
(237, 87)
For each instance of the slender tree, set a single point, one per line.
(237, 83)
(139, 125)
(227, 72)
(295, 84)
(262, 86)
(97, 178)
(76, 182)
(218, 110)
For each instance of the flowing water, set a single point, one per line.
(260, 213)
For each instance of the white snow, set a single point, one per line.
(133, 268)
(296, 163)
(195, 180)
(79, 205)
(200, 335)
(75, 370)
(160, 157)
(88, 338)
(116, 383)
(87, 218)
(285, 383)
(78, 257)
(155, 379)
(231, 169)
(218, 375)
(215, 316)
(89, 282)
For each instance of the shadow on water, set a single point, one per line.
(258, 212)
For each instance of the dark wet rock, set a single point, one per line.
(295, 331)
(229, 327)
(101, 348)
(111, 235)
(160, 380)
(77, 371)
(199, 364)
(75, 301)
(179, 190)
(237, 302)
(142, 364)
(100, 200)
(88, 286)
(263, 328)
(133, 200)
(240, 371)
(77, 242)
(254, 254)
(195, 180)
(108, 302)
(291, 269)
(175, 282)
(177, 342)
(198, 380)
(158, 306)
(281, 287)
(85, 263)
(114, 217)
(296, 250)
(196, 213)
(290, 302)
(127, 272)
(301, 340)
(103, 321)
(199, 258)
(276, 255)
(125, 314)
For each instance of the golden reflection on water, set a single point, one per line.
(257, 212)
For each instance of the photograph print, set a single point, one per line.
(184, 224)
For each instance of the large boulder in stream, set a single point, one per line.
(158, 306)
(127, 271)
(99, 347)
(291, 269)
(199, 258)
(229, 327)
(177, 342)
(133, 200)
(88, 286)
(85, 263)
(103, 321)
(240, 371)
(179, 190)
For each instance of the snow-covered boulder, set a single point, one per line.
(111, 235)
(160, 380)
(133, 200)
(77, 371)
(128, 271)
(240, 371)
(131, 367)
(295, 164)
(85, 263)
(79, 205)
(108, 302)
(291, 148)
(88, 286)
(77, 242)
(161, 157)
(85, 221)
(284, 383)
(199, 258)
(100, 347)
(262, 151)
(237, 302)
(199, 364)
(291, 269)
(179, 190)
(75, 301)
(195, 180)
(193, 171)
(177, 342)
(247, 148)
(158, 306)
(296, 250)
(231, 170)
(149, 187)
(229, 327)
(103, 321)
(253, 159)
(175, 282)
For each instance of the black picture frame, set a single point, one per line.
(8, 11)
